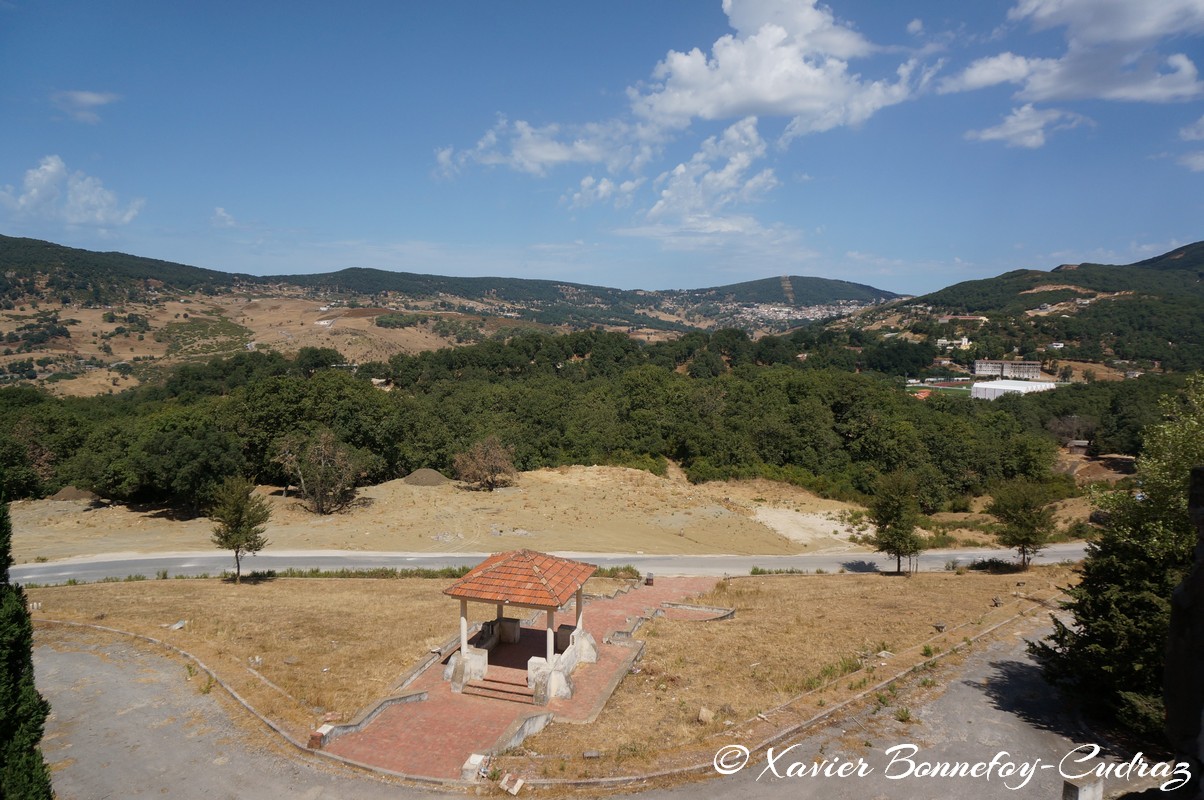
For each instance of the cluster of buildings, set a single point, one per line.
(1015, 377)
(1024, 370)
(780, 316)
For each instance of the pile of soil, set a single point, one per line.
(72, 493)
(425, 477)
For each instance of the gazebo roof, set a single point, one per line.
(523, 578)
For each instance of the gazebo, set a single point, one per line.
(526, 579)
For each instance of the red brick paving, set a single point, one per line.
(434, 738)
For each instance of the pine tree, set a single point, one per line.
(23, 712)
(1112, 656)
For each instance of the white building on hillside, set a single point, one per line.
(993, 390)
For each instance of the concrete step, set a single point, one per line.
(500, 690)
(496, 676)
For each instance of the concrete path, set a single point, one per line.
(434, 737)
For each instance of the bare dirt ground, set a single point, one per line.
(582, 509)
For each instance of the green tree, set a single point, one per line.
(1112, 656)
(894, 511)
(241, 517)
(312, 359)
(23, 712)
(1028, 522)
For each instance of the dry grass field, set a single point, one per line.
(331, 646)
(816, 635)
(307, 650)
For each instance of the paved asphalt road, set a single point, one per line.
(215, 562)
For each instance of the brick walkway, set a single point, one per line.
(434, 738)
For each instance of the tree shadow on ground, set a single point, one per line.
(1019, 688)
(254, 578)
(171, 513)
(860, 566)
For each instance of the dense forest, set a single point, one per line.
(719, 404)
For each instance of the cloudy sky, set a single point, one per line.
(676, 143)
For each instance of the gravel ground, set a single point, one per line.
(128, 723)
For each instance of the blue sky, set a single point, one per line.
(677, 143)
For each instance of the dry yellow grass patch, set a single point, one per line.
(331, 646)
(792, 635)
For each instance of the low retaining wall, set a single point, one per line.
(323, 735)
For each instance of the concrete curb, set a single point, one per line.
(720, 612)
(321, 738)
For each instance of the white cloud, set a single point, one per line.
(222, 219)
(1113, 52)
(52, 193)
(805, 21)
(993, 70)
(1026, 126)
(716, 176)
(1193, 132)
(1115, 74)
(536, 149)
(82, 105)
(1091, 22)
(785, 60)
(1194, 161)
(593, 190)
(696, 200)
(915, 27)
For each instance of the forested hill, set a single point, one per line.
(1145, 315)
(1169, 275)
(33, 267)
(35, 270)
(1188, 258)
(788, 290)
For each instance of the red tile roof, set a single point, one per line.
(523, 578)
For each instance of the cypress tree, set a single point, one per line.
(23, 712)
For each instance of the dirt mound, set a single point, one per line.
(425, 477)
(72, 493)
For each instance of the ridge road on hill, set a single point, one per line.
(122, 565)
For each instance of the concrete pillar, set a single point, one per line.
(551, 635)
(463, 629)
(1083, 789)
(580, 608)
(501, 612)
